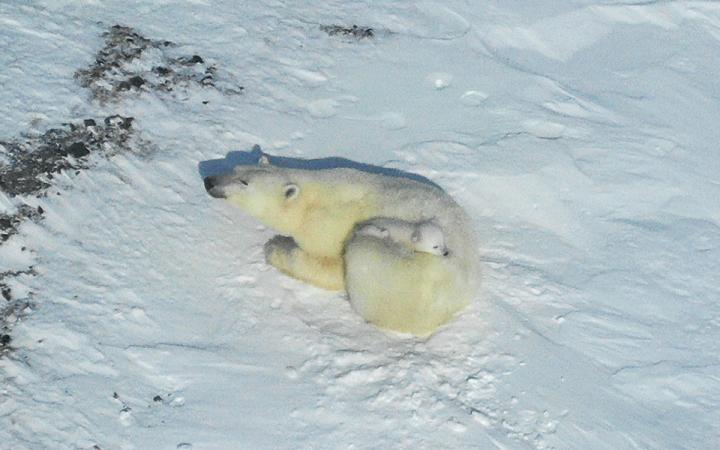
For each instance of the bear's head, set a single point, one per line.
(266, 192)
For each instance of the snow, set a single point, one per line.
(582, 137)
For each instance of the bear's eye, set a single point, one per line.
(436, 246)
(291, 191)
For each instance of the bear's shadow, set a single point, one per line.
(250, 158)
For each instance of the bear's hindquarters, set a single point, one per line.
(403, 291)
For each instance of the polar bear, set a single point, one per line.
(424, 237)
(316, 213)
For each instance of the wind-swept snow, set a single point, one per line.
(582, 138)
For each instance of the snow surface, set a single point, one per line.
(582, 137)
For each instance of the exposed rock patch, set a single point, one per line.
(131, 63)
(353, 31)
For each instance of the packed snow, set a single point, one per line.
(581, 136)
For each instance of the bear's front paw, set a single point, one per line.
(278, 251)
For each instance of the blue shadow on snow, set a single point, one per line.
(250, 158)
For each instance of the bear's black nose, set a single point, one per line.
(209, 183)
(212, 188)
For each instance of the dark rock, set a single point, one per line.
(354, 31)
(119, 121)
(162, 71)
(78, 150)
(5, 339)
(157, 398)
(136, 81)
(33, 160)
(113, 76)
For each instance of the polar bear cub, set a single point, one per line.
(426, 237)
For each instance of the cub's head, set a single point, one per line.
(429, 238)
(266, 192)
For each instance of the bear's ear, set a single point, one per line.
(291, 191)
(264, 160)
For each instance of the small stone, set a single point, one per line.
(89, 123)
(5, 339)
(136, 81)
(196, 59)
(162, 71)
(119, 121)
(78, 150)
(157, 398)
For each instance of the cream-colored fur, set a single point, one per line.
(424, 237)
(319, 209)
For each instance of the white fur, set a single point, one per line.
(401, 290)
(424, 237)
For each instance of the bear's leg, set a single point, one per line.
(284, 254)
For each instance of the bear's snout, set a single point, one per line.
(211, 186)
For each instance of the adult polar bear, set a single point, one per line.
(316, 211)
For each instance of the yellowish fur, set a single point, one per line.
(410, 292)
(389, 286)
(323, 272)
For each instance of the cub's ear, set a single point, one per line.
(415, 236)
(291, 191)
(264, 160)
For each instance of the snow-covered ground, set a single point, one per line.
(582, 137)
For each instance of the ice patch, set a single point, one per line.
(544, 130)
(393, 121)
(309, 77)
(473, 98)
(323, 108)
